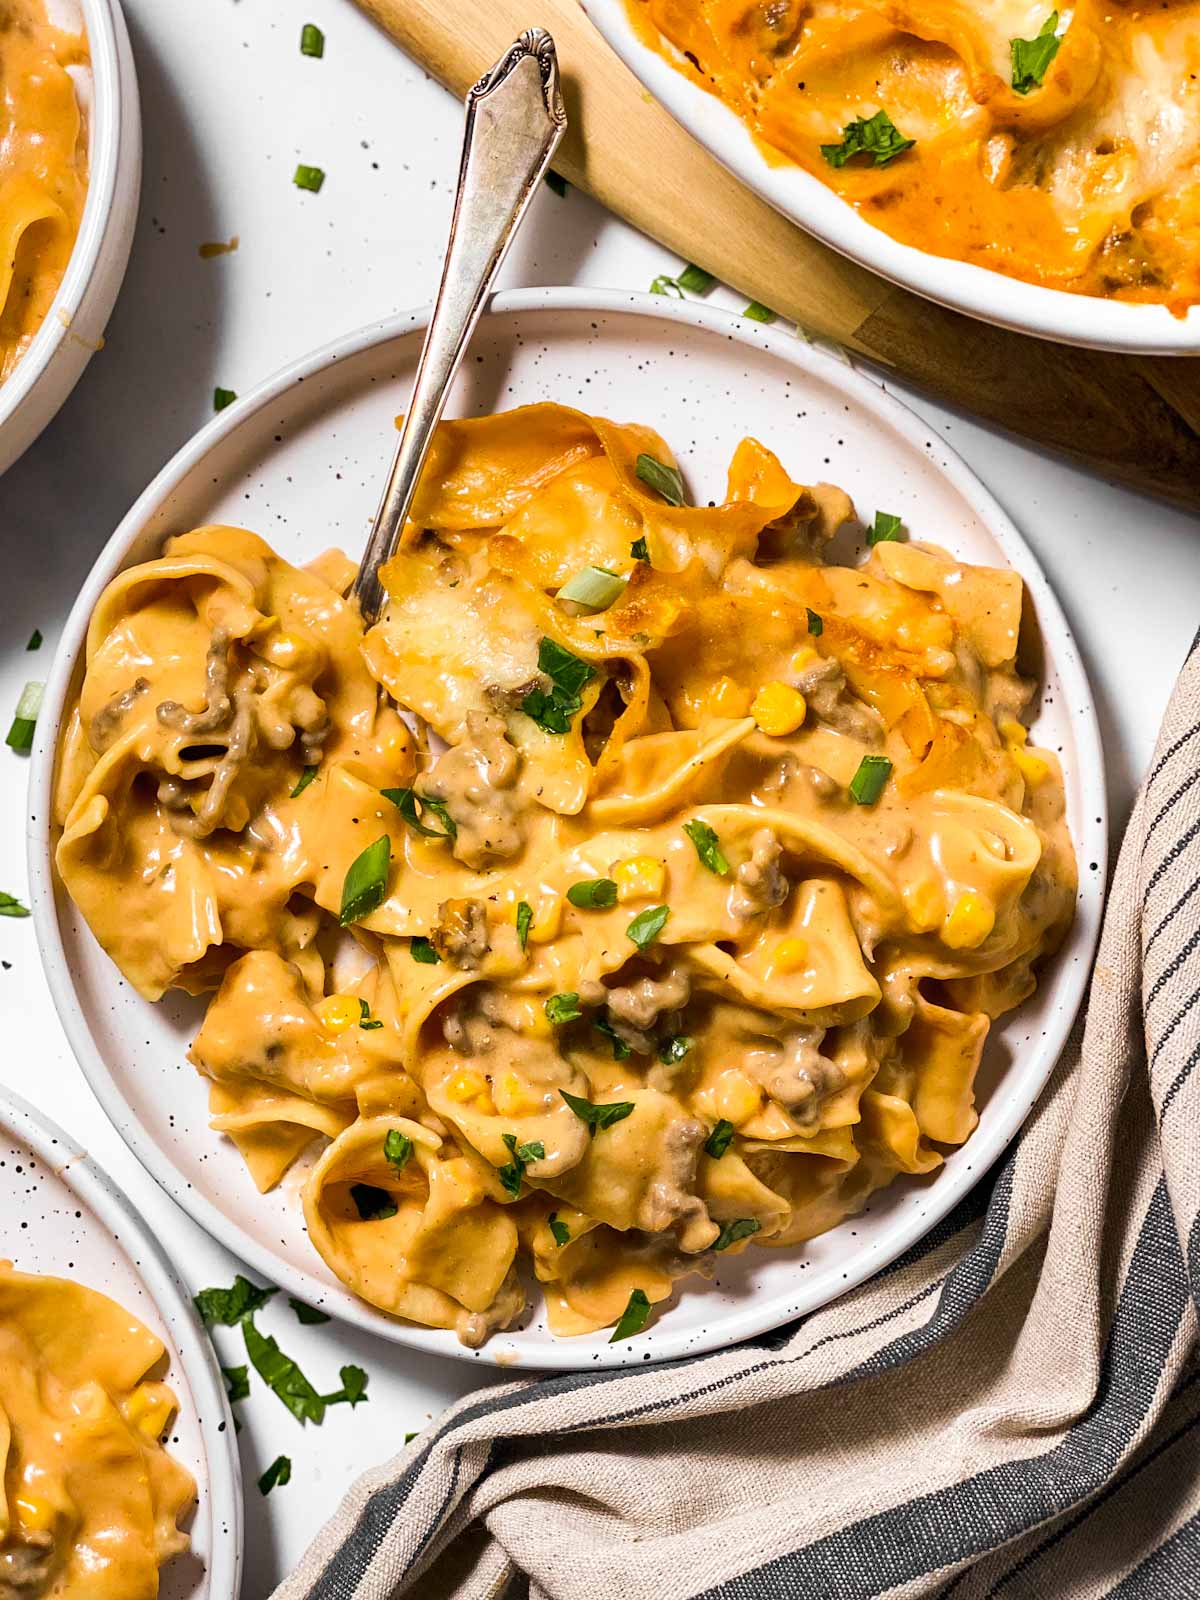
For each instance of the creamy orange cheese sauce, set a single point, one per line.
(43, 167)
(89, 1499)
(1087, 181)
(615, 875)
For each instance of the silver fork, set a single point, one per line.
(515, 119)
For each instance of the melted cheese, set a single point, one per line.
(820, 988)
(89, 1500)
(43, 168)
(1090, 182)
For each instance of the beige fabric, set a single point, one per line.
(1012, 1409)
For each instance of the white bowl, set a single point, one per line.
(61, 1214)
(1070, 318)
(74, 327)
(300, 460)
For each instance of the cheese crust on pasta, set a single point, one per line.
(1057, 146)
(89, 1500)
(43, 167)
(670, 916)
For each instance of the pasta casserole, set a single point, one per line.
(642, 886)
(89, 1499)
(43, 167)
(1058, 147)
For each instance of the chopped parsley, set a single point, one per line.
(886, 527)
(640, 550)
(276, 1475)
(868, 782)
(227, 1307)
(35, 640)
(420, 949)
(593, 894)
(633, 1318)
(524, 922)
(223, 398)
(647, 925)
(1031, 58)
(371, 1203)
(281, 1374)
(597, 1117)
(568, 676)
(365, 887)
(674, 1048)
(513, 1172)
(310, 178)
(816, 623)
(306, 777)
(397, 1149)
(621, 1051)
(877, 137)
(365, 1019)
(406, 802)
(237, 1383)
(718, 1140)
(309, 1315)
(664, 480)
(563, 1007)
(10, 906)
(560, 1231)
(708, 846)
(731, 1232)
(312, 41)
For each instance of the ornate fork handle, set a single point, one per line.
(515, 119)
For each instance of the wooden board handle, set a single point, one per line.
(1132, 419)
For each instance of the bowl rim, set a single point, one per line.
(103, 145)
(115, 1211)
(746, 1320)
(1083, 320)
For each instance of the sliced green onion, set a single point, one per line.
(886, 527)
(647, 925)
(310, 178)
(366, 1020)
(593, 894)
(731, 1232)
(633, 1318)
(312, 41)
(816, 623)
(223, 398)
(10, 906)
(868, 782)
(664, 480)
(20, 735)
(595, 587)
(665, 285)
(718, 1140)
(757, 312)
(695, 280)
(365, 885)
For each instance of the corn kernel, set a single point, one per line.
(35, 1513)
(465, 1084)
(969, 923)
(1013, 732)
(640, 878)
(529, 1016)
(1034, 769)
(514, 1098)
(804, 658)
(547, 919)
(789, 956)
(727, 698)
(737, 1098)
(337, 1012)
(779, 709)
(924, 903)
(148, 1410)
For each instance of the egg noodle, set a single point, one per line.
(89, 1499)
(679, 919)
(43, 168)
(1061, 147)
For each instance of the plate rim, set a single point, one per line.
(746, 1320)
(75, 1166)
(1086, 321)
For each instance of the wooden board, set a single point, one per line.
(1133, 419)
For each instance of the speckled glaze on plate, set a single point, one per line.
(60, 1214)
(1075, 319)
(300, 461)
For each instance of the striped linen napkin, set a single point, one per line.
(1012, 1409)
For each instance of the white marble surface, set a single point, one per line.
(230, 106)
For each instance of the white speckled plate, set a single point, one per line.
(300, 461)
(61, 1215)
